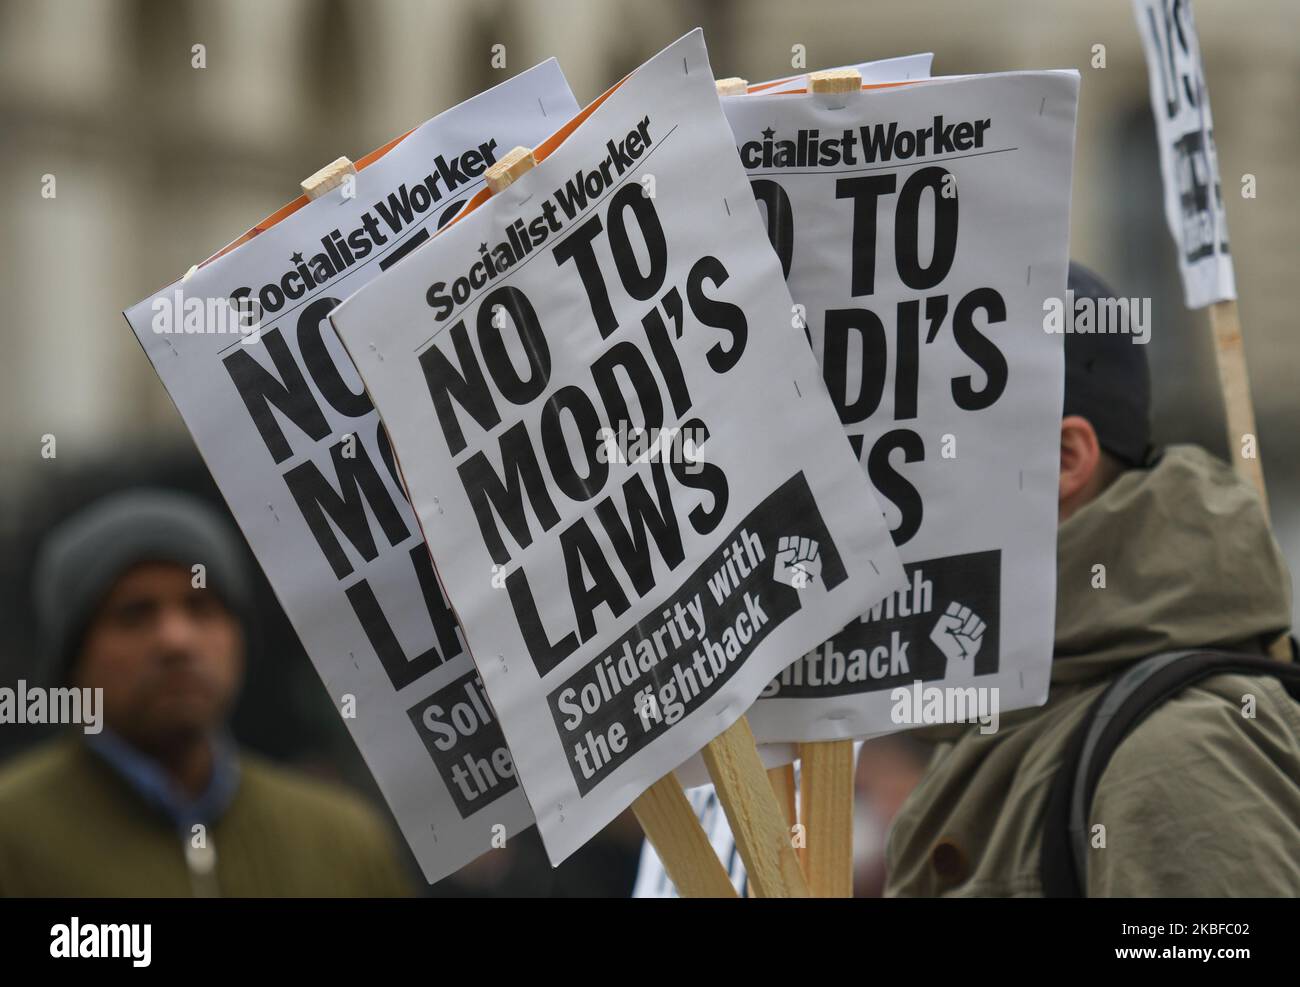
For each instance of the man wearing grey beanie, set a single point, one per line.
(143, 599)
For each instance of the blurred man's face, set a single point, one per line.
(168, 656)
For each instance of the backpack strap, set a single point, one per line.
(1124, 704)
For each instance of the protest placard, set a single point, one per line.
(1189, 167)
(1189, 164)
(899, 69)
(631, 477)
(281, 418)
(921, 229)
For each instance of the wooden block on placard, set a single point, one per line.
(835, 81)
(732, 87)
(515, 163)
(329, 177)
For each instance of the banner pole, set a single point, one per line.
(1234, 382)
(1239, 414)
(674, 830)
(782, 781)
(756, 818)
(826, 810)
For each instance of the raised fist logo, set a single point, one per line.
(958, 634)
(798, 563)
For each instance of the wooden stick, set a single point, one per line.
(782, 780)
(826, 810)
(756, 819)
(732, 87)
(1239, 411)
(1234, 381)
(674, 830)
(329, 177)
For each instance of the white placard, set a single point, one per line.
(1189, 164)
(281, 418)
(623, 609)
(921, 228)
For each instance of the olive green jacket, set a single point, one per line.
(71, 827)
(1200, 799)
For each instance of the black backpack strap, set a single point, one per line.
(1126, 702)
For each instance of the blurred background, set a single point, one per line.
(158, 164)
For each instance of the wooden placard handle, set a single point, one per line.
(1239, 413)
(757, 820)
(826, 811)
(674, 830)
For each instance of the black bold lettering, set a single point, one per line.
(291, 394)
(488, 492)
(359, 484)
(892, 484)
(979, 348)
(467, 386)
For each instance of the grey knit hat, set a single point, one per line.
(81, 559)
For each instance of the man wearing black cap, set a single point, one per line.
(1156, 553)
(144, 596)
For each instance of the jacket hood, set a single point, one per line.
(1189, 562)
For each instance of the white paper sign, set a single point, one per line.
(284, 425)
(1189, 165)
(921, 229)
(623, 606)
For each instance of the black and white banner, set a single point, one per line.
(1189, 165)
(279, 414)
(625, 462)
(921, 229)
